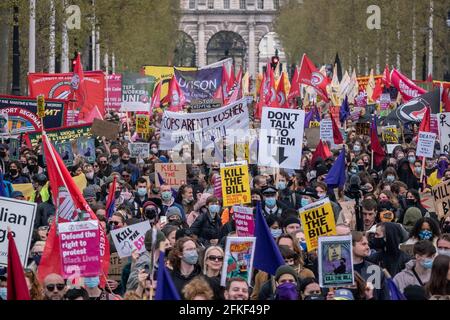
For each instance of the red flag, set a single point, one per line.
(78, 88)
(307, 68)
(377, 149)
(270, 94)
(176, 97)
(70, 204)
(322, 151)
(377, 91)
(93, 114)
(281, 101)
(320, 82)
(225, 87)
(386, 77)
(17, 285)
(425, 124)
(259, 105)
(337, 136)
(156, 98)
(232, 78)
(294, 91)
(405, 86)
(237, 88)
(430, 78)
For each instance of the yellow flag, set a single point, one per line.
(370, 87)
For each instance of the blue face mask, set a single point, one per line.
(166, 195)
(3, 293)
(425, 235)
(142, 192)
(304, 202)
(281, 185)
(427, 263)
(214, 209)
(303, 245)
(91, 282)
(271, 202)
(390, 178)
(275, 232)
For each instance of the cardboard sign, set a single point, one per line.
(14, 149)
(335, 261)
(102, 128)
(139, 150)
(312, 136)
(441, 198)
(347, 215)
(281, 138)
(362, 128)
(80, 248)
(326, 130)
(130, 238)
(235, 183)
(317, 220)
(425, 144)
(245, 224)
(238, 262)
(115, 267)
(444, 131)
(427, 201)
(142, 123)
(19, 216)
(173, 174)
(389, 134)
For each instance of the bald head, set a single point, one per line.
(54, 287)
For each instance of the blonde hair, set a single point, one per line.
(205, 257)
(198, 287)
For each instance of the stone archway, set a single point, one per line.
(226, 44)
(185, 53)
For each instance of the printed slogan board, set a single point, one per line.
(173, 174)
(238, 262)
(243, 217)
(235, 183)
(130, 238)
(317, 220)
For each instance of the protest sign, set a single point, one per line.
(22, 113)
(14, 149)
(113, 92)
(281, 138)
(444, 131)
(217, 187)
(390, 147)
(425, 144)
(19, 217)
(199, 84)
(201, 128)
(317, 220)
(136, 92)
(312, 136)
(200, 105)
(427, 201)
(245, 224)
(142, 123)
(235, 183)
(362, 128)
(326, 130)
(163, 74)
(441, 198)
(80, 248)
(4, 119)
(385, 101)
(103, 128)
(389, 134)
(86, 148)
(238, 260)
(130, 238)
(347, 215)
(59, 135)
(139, 150)
(335, 261)
(116, 266)
(65, 150)
(174, 174)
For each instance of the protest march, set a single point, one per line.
(207, 183)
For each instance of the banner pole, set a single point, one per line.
(423, 170)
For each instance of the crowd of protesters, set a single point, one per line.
(193, 234)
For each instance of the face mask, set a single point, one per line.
(281, 185)
(378, 243)
(31, 167)
(425, 235)
(166, 195)
(353, 171)
(357, 148)
(190, 257)
(154, 150)
(418, 170)
(89, 175)
(322, 195)
(91, 282)
(214, 209)
(125, 161)
(427, 263)
(13, 172)
(361, 167)
(412, 159)
(410, 202)
(304, 202)
(37, 259)
(271, 202)
(303, 245)
(444, 252)
(142, 192)
(390, 178)
(4, 293)
(114, 157)
(287, 291)
(275, 233)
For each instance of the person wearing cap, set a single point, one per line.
(308, 196)
(291, 225)
(18, 195)
(208, 224)
(270, 203)
(286, 284)
(341, 294)
(174, 218)
(90, 195)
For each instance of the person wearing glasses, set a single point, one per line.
(212, 267)
(55, 287)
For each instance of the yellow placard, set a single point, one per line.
(235, 183)
(142, 123)
(317, 221)
(41, 106)
(242, 151)
(390, 134)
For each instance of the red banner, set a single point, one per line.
(57, 86)
(406, 87)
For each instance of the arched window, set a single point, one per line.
(226, 44)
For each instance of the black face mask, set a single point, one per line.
(446, 227)
(361, 167)
(13, 172)
(410, 202)
(378, 243)
(114, 157)
(31, 167)
(254, 203)
(125, 161)
(167, 251)
(116, 194)
(2, 154)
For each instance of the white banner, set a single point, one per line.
(203, 128)
(19, 216)
(130, 238)
(443, 120)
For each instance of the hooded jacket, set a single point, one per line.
(206, 228)
(407, 277)
(391, 257)
(406, 175)
(411, 216)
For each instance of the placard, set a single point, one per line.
(103, 128)
(173, 174)
(139, 150)
(441, 198)
(130, 238)
(235, 183)
(238, 261)
(244, 220)
(425, 144)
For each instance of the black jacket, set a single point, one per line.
(281, 207)
(206, 229)
(369, 271)
(407, 176)
(290, 199)
(43, 212)
(180, 281)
